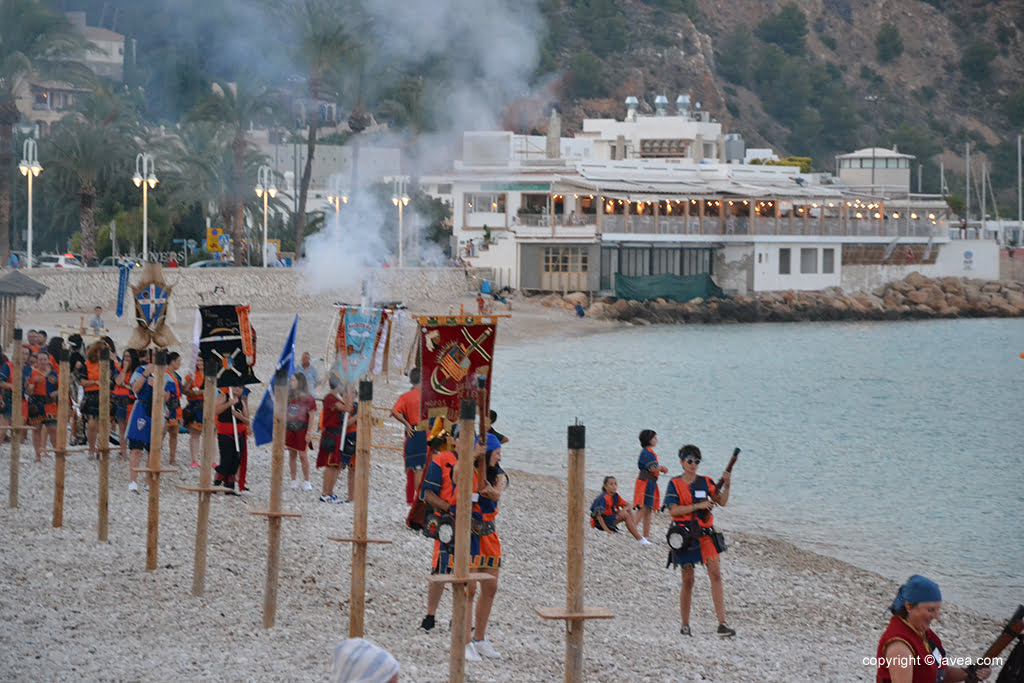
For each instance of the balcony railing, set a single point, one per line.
(812, 226)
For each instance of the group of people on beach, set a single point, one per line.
(688, 499)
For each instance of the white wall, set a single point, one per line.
(952, 260)
(766, 266)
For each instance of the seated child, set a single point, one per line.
(609, 508)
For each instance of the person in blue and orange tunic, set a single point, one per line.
(192, 415)
(123, 399)
(41, 390)
(173, 416)
(407, 411)
(489, 560)
(646, 497)
(440, 495)
(609, 508)
(909, 651)
(140, 421)
(689, 499)
(6, 373)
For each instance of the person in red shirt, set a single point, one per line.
(232, 418)
(328, 456)
(301, 411)
(407, 411)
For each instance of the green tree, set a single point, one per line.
(787, 29)
(324, 35)
(87, 149)
(586, 76)
(734, 57)
(888, 42)
(603, 25)
(237, 106)
(976, 61)
(33, 41)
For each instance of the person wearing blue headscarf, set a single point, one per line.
(909, 651)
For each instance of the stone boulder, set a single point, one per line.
(574, 298)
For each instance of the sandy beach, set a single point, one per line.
(72, 608)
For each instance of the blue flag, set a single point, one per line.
(122, 287)
(263, 421)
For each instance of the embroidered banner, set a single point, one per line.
(454, 352)
(221, 346)
(354, 342)
(122, 288)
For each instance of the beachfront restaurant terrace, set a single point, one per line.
(726, 208)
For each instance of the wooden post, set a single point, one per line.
(103, 446)
(17, 421)
(575, 614)
(60, 451)
(153, 471)
(364, 438)
(205, 489)
(274, 513)
(463, 510)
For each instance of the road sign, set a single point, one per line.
(213, 237)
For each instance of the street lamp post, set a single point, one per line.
(873, 99)
(29, 168)
(401, 200)
(336, 197)
(145, 177)
(265, 188)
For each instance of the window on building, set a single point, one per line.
(783, 261)
(485, 202)
(828, 260)
(565, 260)
(444, 188)
(809, 260)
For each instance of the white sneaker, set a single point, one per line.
(644, 541)
(133, 487)
(307, 486)
(471, 655)
(485, 649)
(295, 484)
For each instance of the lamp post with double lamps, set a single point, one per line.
(145, 177)
(265, 189)
(336, 197)
(401, 200)
(29, 168)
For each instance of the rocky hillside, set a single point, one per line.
(795, 74)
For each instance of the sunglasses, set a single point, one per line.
(691, 461)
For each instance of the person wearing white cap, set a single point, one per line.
(359, 661)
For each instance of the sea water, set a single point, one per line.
(894, 446)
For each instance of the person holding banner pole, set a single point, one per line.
(231, 420)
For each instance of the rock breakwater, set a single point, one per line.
(914, 297)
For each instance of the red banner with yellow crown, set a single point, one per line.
(454, 351)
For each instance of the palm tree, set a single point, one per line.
(33, 40)
(236, 106)
(86, 150)
(325, 42)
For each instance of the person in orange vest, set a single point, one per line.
(41, 390)
(192, 415)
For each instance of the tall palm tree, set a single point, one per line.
(87, 149)
(325, 35)
(236, 106)
(33, 40)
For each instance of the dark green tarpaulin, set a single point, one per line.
(673, 287)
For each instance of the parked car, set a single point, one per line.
(211, 263)
(111, 262)
(57, 261)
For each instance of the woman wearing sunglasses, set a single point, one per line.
(689, 499)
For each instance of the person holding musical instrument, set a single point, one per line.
(909, 651)
(689, 498)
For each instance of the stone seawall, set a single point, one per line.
(284, 289)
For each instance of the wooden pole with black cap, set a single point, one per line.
(206, 487)
(103, 447)
(60, 450)
(17, 428)
(575, 614)
(153, 469)
(274, 513)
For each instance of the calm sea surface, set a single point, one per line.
(897, 447)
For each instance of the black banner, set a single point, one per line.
(222, 348)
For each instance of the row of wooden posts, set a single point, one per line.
(574, 614)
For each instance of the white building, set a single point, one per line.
(654, 195)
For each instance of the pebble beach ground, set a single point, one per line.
(72, 608)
